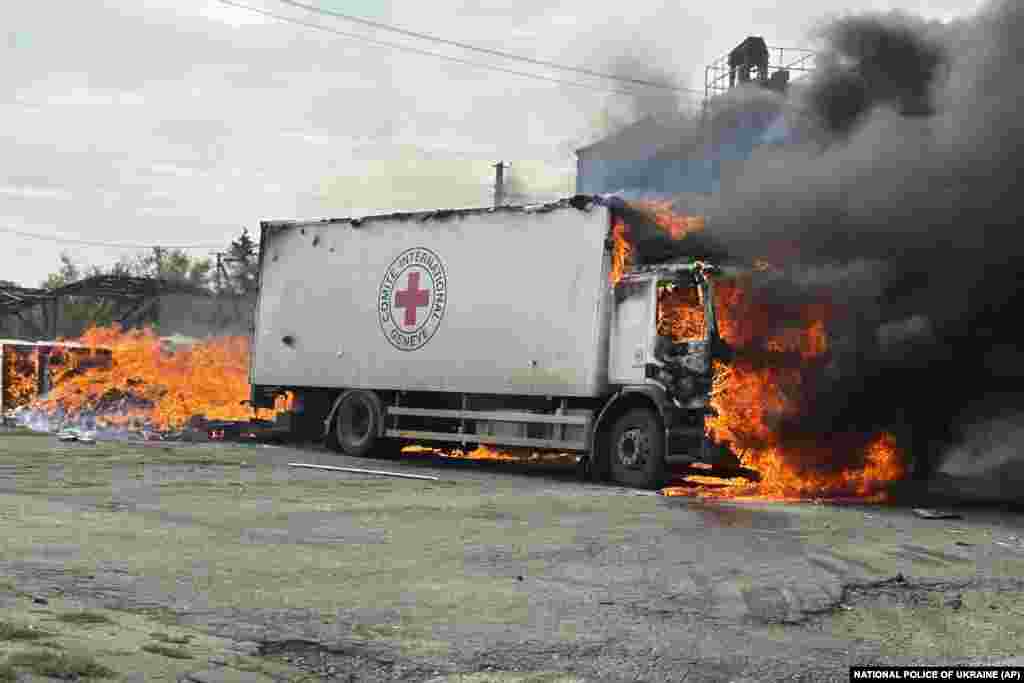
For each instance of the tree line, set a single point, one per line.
(234, 274)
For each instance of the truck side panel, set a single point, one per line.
(502, 302)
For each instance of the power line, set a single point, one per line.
(488, 51)
(428, 53)
(113, 245)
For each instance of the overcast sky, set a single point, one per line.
(178, 122)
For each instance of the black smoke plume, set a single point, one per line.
(904, 209)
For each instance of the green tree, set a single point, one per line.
(171, 265)
(242, 266)
(76, 313)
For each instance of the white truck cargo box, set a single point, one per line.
(502, 301)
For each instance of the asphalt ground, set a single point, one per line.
(218, 562)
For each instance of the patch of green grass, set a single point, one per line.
(989, 621)
(174, 640)
(161, 615)
(374, 631)
(21, 431)
(84, 484)
(12, 631)
(86, 572)
(509, 677)
(92, 451)
(167, 651)
(60, 665)
(85, 618)
(224, 462)
(251, 665)
(7, 673)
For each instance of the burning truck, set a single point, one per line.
(445, 330)
(455, 328)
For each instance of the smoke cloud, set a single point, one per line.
(647, 101)
(901, 208)
(915, 177)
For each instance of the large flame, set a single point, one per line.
(148, 386)
(764, 383)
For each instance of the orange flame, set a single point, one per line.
(621, 251)
(767, 380)
(680, 314)
(19, 376)
(676, 225)
(146, 385)
(482, 452)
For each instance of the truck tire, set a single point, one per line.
(356, 428)
(636, 450)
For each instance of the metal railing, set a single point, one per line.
(786, 59)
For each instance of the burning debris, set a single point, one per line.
(29, 369)
(359, 470)
(76, 435)
(19, 376)
(148, 389)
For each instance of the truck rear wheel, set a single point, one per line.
(636, 450)
(356, 427)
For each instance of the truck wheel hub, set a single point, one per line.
(633, 448)
(355, 422)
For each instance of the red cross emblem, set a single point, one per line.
(412, 298)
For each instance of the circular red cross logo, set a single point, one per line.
(412, 297)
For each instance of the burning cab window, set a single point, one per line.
(680, 313)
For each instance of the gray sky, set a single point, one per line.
(180, 121)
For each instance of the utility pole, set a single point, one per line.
(158, 252)
(499, 183)
(220, 267)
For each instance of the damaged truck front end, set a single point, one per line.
(664, 379)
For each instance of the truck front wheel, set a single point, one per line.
(636, 450)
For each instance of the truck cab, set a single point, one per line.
(663, 343)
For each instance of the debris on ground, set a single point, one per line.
(925, 513)
(358, 470)
(1011, 543)
(70, 435)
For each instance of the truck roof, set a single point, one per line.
(578, 202)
